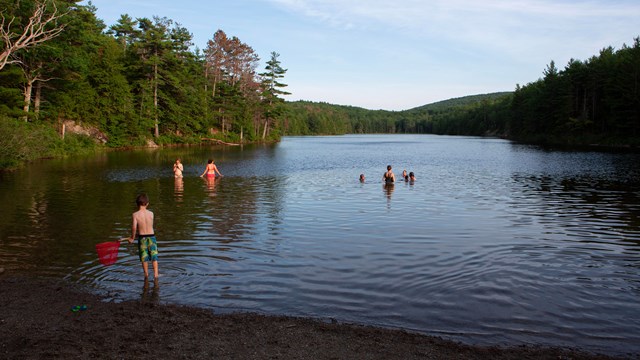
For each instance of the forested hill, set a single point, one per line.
(469, 100)
(590, 102)
(442, 117)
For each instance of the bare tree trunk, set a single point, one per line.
(27, 98)
(142, 96)
(36, 101)
(63, 127)
(265, 130)
(156, 132)
(206, 90)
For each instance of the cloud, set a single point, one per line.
(444, 48)
(513, 27)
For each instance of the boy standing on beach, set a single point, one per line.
(142, 229)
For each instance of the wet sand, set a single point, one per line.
(37, 321)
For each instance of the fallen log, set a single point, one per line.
(219, 142)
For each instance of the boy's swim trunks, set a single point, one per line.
(147, 248)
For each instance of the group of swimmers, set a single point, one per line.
(209, 171)
(389, 177)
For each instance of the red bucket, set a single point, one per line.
(108, 252)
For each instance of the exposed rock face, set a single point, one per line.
(70, 126)
(151, 144)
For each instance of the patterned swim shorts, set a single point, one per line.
(147, 248)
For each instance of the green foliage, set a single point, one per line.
(72, 144)
(139, 81)
(472, 115)
(22, 142)
(470, 100)
(591, 102)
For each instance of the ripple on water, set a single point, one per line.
(495, 243)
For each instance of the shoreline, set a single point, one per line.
(37, 320)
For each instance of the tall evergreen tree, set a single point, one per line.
(272, 89)
(125, 30)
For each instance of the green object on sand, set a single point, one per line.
(77, 308)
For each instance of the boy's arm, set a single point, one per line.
(134, 225)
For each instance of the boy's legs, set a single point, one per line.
(148, 251)
(145, 268)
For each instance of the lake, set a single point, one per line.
(494, 243)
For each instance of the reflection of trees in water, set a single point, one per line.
(607, 209)
(240, 202)
(55, 213)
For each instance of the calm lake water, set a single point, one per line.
(495, 243)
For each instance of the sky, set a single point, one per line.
(401, 54)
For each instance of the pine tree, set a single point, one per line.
(272, 89)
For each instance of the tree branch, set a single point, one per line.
(36, 31)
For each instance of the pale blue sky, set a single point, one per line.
(400, 54)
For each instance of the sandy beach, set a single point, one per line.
(38, 321)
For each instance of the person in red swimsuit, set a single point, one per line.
(211, 170)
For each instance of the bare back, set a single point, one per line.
(142, 222)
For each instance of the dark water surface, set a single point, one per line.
(495, 243)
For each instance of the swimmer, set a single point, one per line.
(388, 176)
(211, 170)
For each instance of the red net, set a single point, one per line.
(108, 252)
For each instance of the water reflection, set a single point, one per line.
(211, 183)
(153, 296)
(570, 205)
(388, 190)
(178, 188)
(523, 245)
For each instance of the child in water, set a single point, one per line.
(142, 229)
(178, 169)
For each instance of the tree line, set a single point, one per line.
(136, 80)
(140, 80)
(596, 101)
